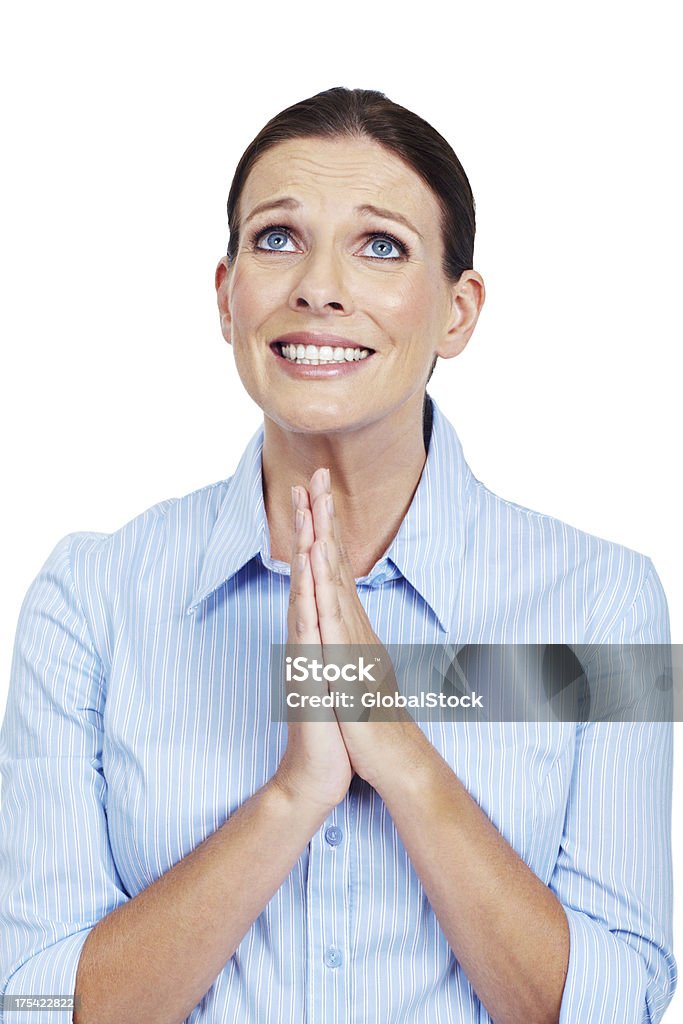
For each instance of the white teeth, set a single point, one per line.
(316, 355)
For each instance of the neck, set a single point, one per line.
(374, 473)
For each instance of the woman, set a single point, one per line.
(199, 860)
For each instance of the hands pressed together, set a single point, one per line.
(324, 609)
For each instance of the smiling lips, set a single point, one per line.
(318, 354)
(321, 350)
(319, 340)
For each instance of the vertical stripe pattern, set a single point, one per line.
(138, 721)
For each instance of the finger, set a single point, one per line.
(329, 591)
(315, 551)
(328, 528)
(306, 538)
(319, 483)
(327, 568)
(323, 527)
(302, 613)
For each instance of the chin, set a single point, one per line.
(315, 418)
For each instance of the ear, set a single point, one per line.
(466, 298)
(222, 282)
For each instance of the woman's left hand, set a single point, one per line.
(376, 749)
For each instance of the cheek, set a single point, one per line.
(250, 299)
(410, 302)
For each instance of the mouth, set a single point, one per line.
(310, 354)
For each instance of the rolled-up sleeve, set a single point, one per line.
(57, 873)
(614, 873)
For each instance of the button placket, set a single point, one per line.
(328, 924)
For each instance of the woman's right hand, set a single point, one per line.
(315, 765)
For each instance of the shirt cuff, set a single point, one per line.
(50, 972)
(606, 978)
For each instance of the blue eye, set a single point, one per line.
(276, 239)
(382, 245)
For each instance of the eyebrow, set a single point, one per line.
(289, 203)
(388, 215)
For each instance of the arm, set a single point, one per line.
(57, 874)
(66, 922)
(595, 944)
(153, 959)
(606, 916)
(615, 879)
(506, 928)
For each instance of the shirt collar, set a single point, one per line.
(427, 549)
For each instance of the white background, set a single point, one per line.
(121, 127)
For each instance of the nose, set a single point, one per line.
(320, 284)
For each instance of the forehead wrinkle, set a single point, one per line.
(309, 163)
(293, 192)
(363, 180)
(348, 169)
(314, 175)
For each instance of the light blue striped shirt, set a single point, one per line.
(138, 721)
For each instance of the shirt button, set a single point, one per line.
(333, 956)
(333, 835)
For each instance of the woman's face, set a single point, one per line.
(340, 245)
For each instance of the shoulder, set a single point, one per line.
(596, 588)
(100, 572)
(172, 520)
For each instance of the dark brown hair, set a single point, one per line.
(366, 113)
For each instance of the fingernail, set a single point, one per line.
(301, 562)
(330, 505)
(295, 498)
(299, 519)
(325, 551)
(327, 480)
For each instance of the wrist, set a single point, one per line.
(296, 801)
(409, 773)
